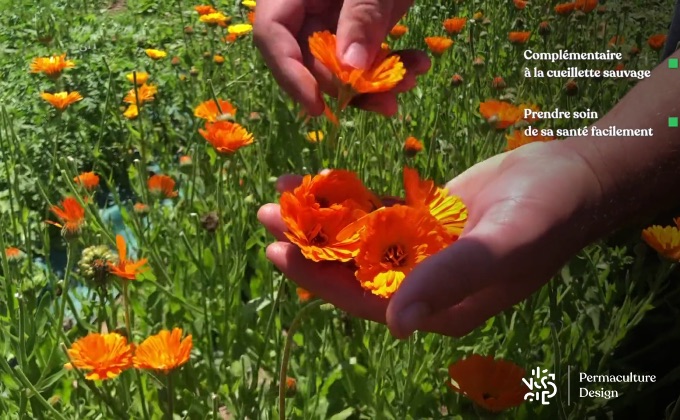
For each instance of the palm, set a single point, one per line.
(520, 230)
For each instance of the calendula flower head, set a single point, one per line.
(14, 254)
(586, 6)
(61, 100)
(155, 54)
(494, 385)
(139, 77)
(314, 136)
(500, 114)
(94, 264)
(392, 242)
(240, 29)
(101, 356)
(89, 180)
(519, 37)
(565, 9)
(131, 112)
(144, 93)
(204, 9)
(321, 208)
(455, 25)
(656, 42)
(438, 44)
(210, 111)
(303, 295)
(382, 75)
(412, 146)
(124, 268)
(448, 210)
(520, 4)
(226, 137)
(215, 18)
(71, 215)
(664, 240)
(164, 351)
(251, 4)
(398, 31)
(162, 186)
(51, 66)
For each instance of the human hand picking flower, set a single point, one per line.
(282, 29)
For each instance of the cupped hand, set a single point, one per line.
(528, 213)
(281, 33)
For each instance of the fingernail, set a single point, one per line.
(412, 317)
(356, 56)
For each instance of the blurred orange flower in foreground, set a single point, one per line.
(384, 74)
(494, 385)
(101, 356)
(517, 139)
(438, 44)
(499, 114)
(61, 100)
(393, 241)
(454, 25)
(164, 351)
(210, 112)
(664, 240)
(586, 6)
(124, 268)
(89, 180)
(71, 214)
(162, 185)
(51, 66)
(226, 137)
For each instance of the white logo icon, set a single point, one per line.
(542, 388)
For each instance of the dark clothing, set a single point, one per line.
(674, 34)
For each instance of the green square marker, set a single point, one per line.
(673, 122)
(672, 63)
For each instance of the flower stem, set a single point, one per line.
(171, 396)
(286, 354)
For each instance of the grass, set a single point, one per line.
(610, 310)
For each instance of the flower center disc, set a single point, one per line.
(395, 256)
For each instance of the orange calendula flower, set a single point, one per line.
(141, 208)
(564, 9)
(102, 356)
(616, 40)
(164, 351)
(251, 17)
(318, 212)
(230, 38)
(214, 18)
(438, 44)
(162, 185)
(656, 42)
(517, 139)
(131, 112)
(494, 385)
(454, 25)
(384, 74)
(13, 253)
(89, 180)
(303, 294)
(398, 31)
(145, 94)
(519, 37)
(51, 66)
(447, 209)
(393, 241)
(126, 269)
(664, 240)
(520, 4)
(226, 137)
(218, 59)
(204, 9)
(210, 111)
(586, 6)
(141, 77)
(71, 214)
(155, 54)
(412, 146)
(61, 100)
(500, 114)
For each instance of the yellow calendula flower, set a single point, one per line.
(155, 54)
(61, 100)
(314, 136)
(141, 77)
(240, 29)
(664, 240)
(250, 4)
(216, 18)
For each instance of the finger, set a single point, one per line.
(362, 26)
(288, 182)
(467, 184)
(273, 35)
(270, 217)
(332, 282)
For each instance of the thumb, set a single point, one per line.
(362, 26)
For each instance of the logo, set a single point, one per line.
(541, 386)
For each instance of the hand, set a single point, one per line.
(282, 29)
(528, 213)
